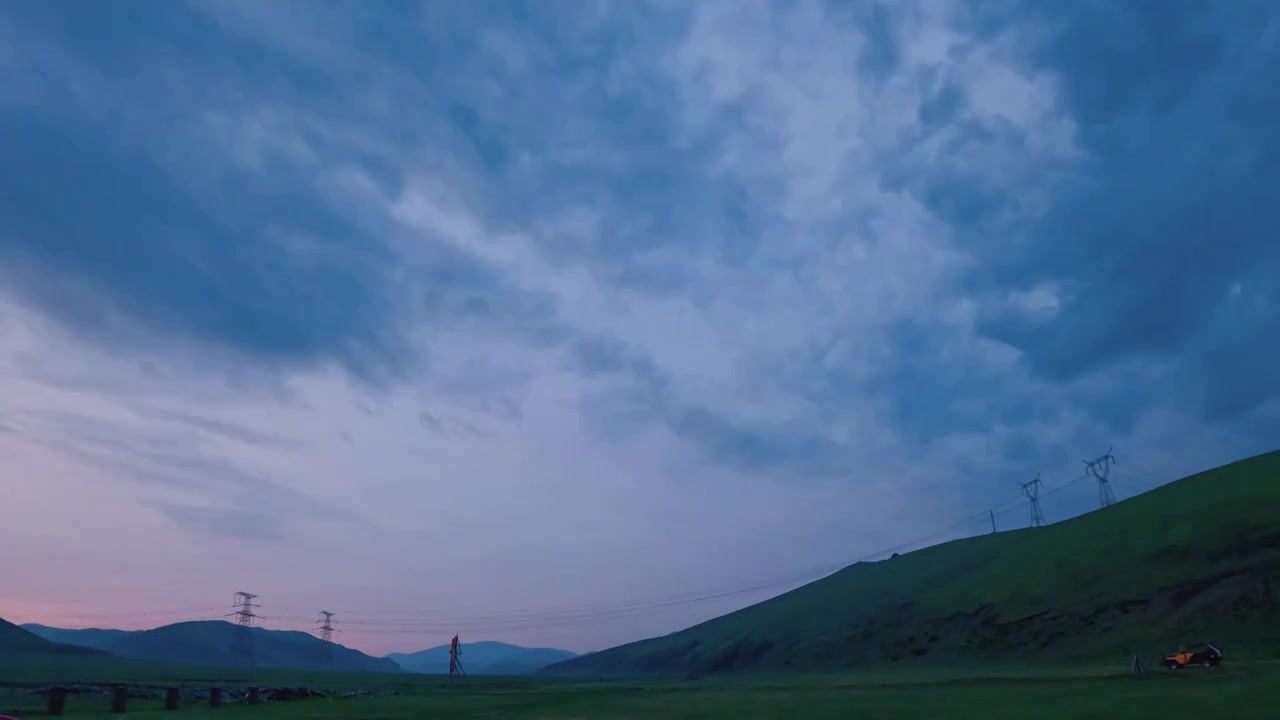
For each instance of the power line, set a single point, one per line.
(778, 581)
(572, 615)
(808, 575)
(373, 624)
(513, 621)
(563, 617)
(1064, 486)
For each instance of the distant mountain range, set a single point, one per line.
(15, 640)
(214, 643)
(90, 638)
(483, 658)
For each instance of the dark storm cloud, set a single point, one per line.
(645, 395)
(101, 221)
(92, 226)
(1162, 241)
(938, 386)
(799, 450)
(123, 222)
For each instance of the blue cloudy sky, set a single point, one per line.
(455, 315)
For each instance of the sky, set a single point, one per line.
(569, 323)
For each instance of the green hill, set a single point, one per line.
(482, 658)
(1197, 559)
(15, 641)
(214, 643)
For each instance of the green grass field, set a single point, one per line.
(1242, 690)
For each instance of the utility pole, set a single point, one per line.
(993, 520)
(1032, 491)
(1100, 469)
(243, 612)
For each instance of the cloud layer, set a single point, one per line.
(498, 309)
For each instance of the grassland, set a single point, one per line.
(1239, 690)
(1195, 560)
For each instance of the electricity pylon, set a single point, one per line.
(1032, 491)
(326, 634)
(326, 625)
(455, 663)
(1100, 469)
(243, 612)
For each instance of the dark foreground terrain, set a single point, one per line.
(1250, 690)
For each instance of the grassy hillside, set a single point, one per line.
(1198, 559)
(483, 658)
(213, 643)
(15, 641)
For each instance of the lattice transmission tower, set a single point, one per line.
(243, 612)
(1032, 491)
(326, 625)
(1100, 469)
(455, 660)
(326, 633)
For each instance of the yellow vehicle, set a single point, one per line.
(1204, 655)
